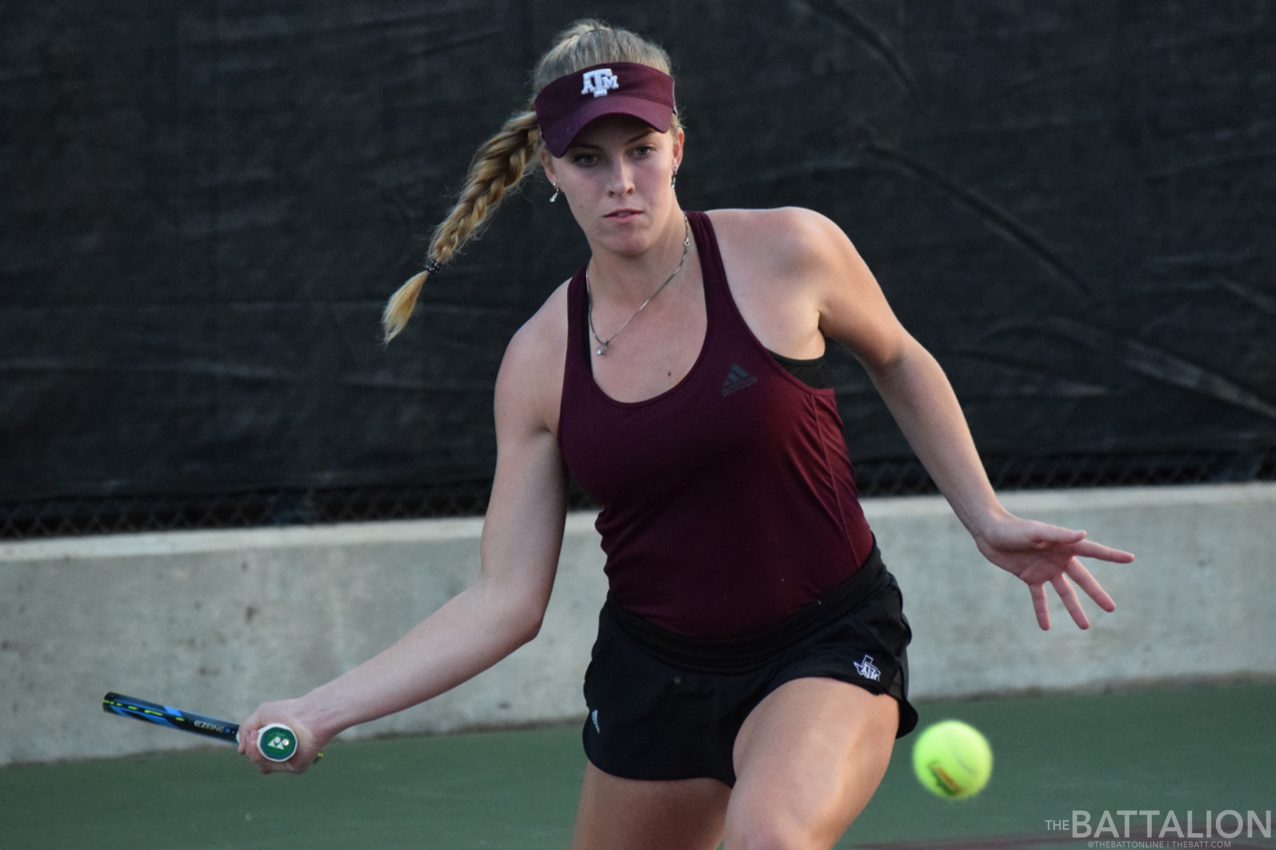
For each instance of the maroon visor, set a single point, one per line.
(565, 106)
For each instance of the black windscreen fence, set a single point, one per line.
(207, 204)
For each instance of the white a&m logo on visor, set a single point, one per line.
(598, 82)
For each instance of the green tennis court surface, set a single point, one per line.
(1192, 750)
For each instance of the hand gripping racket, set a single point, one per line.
(275, 742)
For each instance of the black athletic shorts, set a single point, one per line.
(664, 706)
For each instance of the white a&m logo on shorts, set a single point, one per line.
(598, 82)
(868, 669)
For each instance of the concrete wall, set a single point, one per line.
(218, 621)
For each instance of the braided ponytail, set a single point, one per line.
(505, 159)
(498, 166)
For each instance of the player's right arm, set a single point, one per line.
(503, 608)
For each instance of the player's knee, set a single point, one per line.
(758, 831)
(764, 841)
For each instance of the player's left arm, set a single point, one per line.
(853, 310)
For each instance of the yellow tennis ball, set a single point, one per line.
(952, 759)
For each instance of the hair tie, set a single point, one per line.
(432, 265)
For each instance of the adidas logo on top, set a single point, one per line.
(737, 379)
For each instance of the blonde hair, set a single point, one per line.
(507, 157)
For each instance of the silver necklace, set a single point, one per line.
(604, 343)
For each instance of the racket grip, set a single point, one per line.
(276, 742)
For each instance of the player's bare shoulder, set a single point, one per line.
(786, 244)
(530, 383)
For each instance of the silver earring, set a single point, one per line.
(554, 197)
(673, 181)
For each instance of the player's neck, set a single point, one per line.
(633, 278)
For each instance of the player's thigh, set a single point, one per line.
(631, 814)
(807, 760)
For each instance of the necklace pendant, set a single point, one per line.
(602, 349)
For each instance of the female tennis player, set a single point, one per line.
(749, 677)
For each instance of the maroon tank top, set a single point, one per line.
(728, 501)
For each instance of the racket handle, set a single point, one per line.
(276, 742)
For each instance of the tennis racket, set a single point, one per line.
(275, 742)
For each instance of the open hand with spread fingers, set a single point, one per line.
(1041, 554)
